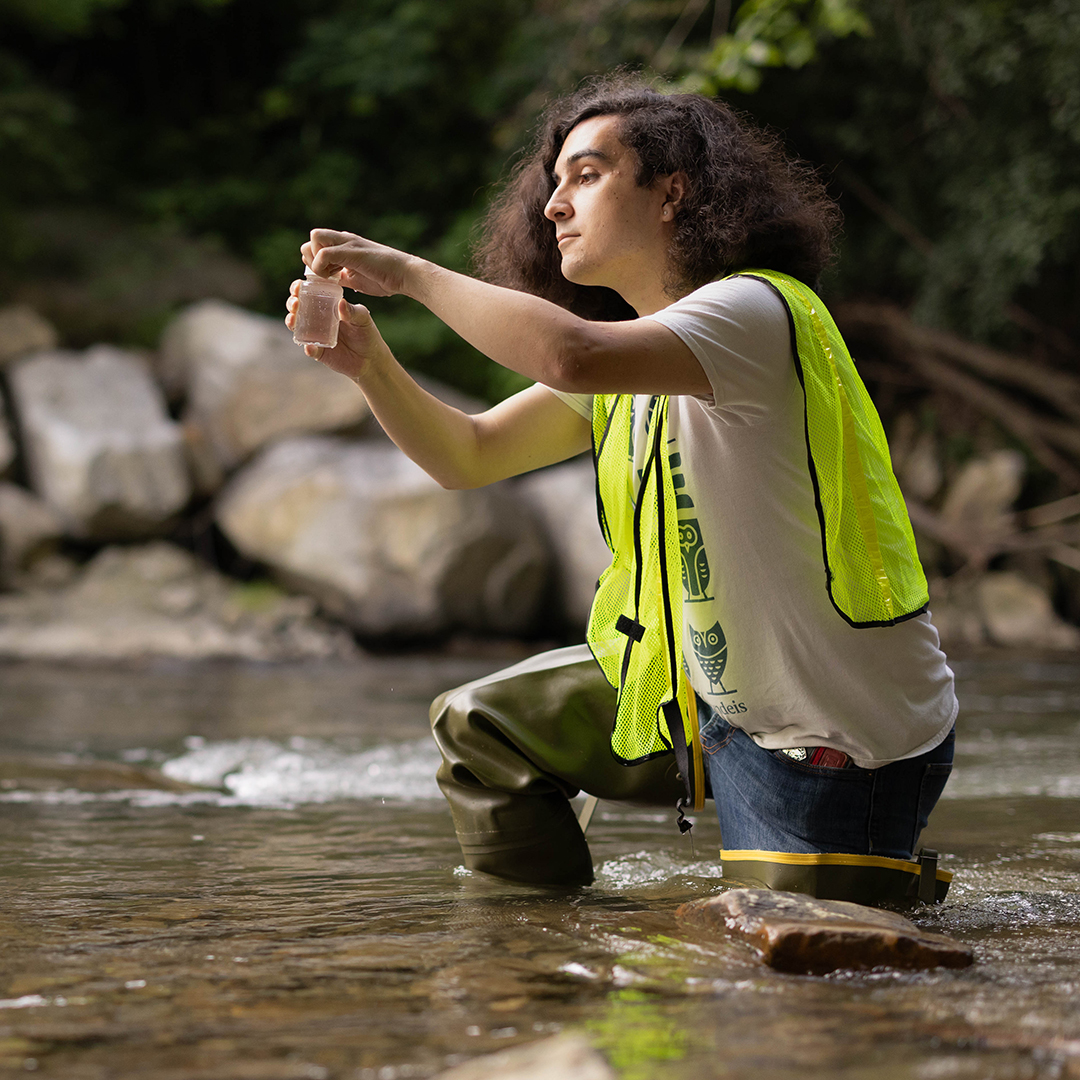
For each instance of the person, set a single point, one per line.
(762, 635)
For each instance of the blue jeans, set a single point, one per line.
(767, 801)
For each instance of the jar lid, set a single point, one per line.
(310, 275)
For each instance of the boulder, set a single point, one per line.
(981, 494)
(246, 383)
(23, 330)
(157, 600)
(564, 500)
(567, 1056)
(99, 445)
(28, 527)
(381, 545)
(1018, 612)
(799, 934)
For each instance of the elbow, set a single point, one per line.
(576, 363)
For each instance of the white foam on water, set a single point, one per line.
(260, 772)
(651, 868)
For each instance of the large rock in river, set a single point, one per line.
(381, 545)
(247, 383)
(797, 933)
(100, 447)
(157, 600)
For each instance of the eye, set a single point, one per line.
(588, 176)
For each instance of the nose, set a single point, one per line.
(557, 208)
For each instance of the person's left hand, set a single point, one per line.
(369, 268)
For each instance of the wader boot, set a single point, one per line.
(517, 746)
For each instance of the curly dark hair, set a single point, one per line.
(747, 203)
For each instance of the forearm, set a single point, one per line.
(442, 440)
(527, 431)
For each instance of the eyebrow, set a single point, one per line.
(579, 154)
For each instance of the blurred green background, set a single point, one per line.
(156, 151)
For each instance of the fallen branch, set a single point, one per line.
(1033, 431)
(1057, 388)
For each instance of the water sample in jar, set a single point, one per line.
(317, 313)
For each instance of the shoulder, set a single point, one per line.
(749, 301)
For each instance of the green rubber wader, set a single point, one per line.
(517, 746)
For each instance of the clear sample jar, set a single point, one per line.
(317, 313)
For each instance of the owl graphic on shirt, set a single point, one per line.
(711, 650)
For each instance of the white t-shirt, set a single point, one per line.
(762, 640)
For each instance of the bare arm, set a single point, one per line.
(527, 431)
(536, 338)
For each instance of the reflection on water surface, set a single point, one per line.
(307, 916)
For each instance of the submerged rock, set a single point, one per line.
(564, 499)
(100, 447)
(158, 600)
(381, 545)
(799, 934)
(567, 1056)
(247, 383)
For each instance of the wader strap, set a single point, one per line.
(672, 713)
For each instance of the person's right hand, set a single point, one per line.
(360, 264)
(359, 342)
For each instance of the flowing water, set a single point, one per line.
(303, 912)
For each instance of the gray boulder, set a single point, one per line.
(22, 331)
(99, 445)
(246, 383)
(28, 527)
(381, 545)
(980, 497)
(1018, 612)
(564, 500)
(158, 600)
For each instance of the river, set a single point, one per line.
(309, 918)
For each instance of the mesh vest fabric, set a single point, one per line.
(873, 573)
(635, 628)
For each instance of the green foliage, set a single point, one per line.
(951, 133)
(955, 134)
(773, 33)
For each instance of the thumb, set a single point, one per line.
(355, 314)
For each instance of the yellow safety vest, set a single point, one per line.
(872, 570)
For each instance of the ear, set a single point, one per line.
(674, 190)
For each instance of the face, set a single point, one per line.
(610, 230)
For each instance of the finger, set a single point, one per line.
(294, 288)
(354, 314)
(328, 261)
(314, 351)
(321, 238)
